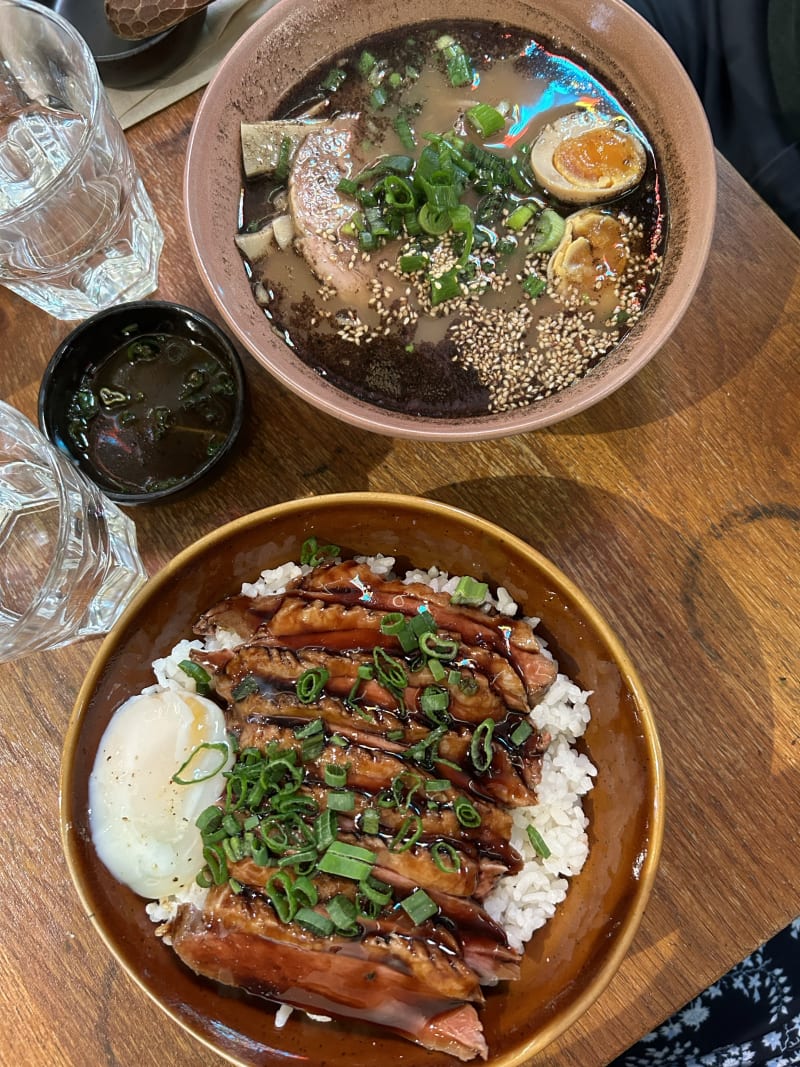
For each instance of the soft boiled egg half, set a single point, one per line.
(159, 765)
(584, 157)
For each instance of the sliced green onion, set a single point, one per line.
(521, 732)
(314, 922)
(466, 813)
(403, 130)
(209, 819)
(423, 622)
(469, 591)
(376, 891)
(468, 684)
(445, 288)
(389, 671)
(339, 741)
(433, 221)
(347, 186)
(434, 701)
(521, 216)
(310, 729)
(440, 647)
(218, 746)
(395, 735)
(534, 286)
(246, 688)
(549, 230)
(284, 159)
(539, 846)
(333, 79)
(347, 861)
(437, 670)
(313, 553)
(216, 863)
(343, 913)
(335, 775)
(305, 889)
(370, 822)
(200, 676)
(407, 835)
(345, 801)
(445, 857)
(311, 683)
(480, 749)
(459, 66)
(378, 98)
(366, 63)
(436, 785)
(485, 120)
(404, 787)
(280, 893)
(412, 262)
(393, 623)
(326, 826)
(419, 907)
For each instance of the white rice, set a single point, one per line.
(523, 902)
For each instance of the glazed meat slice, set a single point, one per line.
(394, 982)
(319, 210)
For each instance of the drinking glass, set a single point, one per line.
(77, 230)
(68, 557)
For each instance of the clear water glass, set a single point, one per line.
(69, 562)
(77, 230)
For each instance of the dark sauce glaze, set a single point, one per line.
(403, 371)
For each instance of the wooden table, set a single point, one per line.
(673, 503)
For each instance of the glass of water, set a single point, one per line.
(77, 230)
(69, 562)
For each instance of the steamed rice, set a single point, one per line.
(523, 902)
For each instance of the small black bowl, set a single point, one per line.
(145, 398)
(124, 64)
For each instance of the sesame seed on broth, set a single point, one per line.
(519, 321)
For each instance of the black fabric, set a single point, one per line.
(724, 46)
(749, 1018)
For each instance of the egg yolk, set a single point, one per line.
(602, 157)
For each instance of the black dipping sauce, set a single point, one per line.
(155, 411)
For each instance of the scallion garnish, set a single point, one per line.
(246, 688)
(335, 775)
(311, 683)
(445, 287)
(198, 674)
(445, 857)
(313, 553)
(343, 801)
(370, 822)
(459, 65)
(534, 285)
(407, 835)
(347, 861)
(521, 732)
(389, 671)
(481, 750)
(419, 907)
(521, 216)
(549, 230)
(485, 119)
(469, 591)
(438, 646)
(206, 746)
(314, 922)
(466, 812)
(539, 846)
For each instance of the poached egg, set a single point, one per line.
(142, 820)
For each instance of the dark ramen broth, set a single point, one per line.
(495, 347)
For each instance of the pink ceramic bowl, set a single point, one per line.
(608, 39)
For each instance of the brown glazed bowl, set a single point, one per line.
(607, 36)
(568, 962)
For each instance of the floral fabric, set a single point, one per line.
(749, 1018)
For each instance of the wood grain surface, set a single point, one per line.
(673, 504)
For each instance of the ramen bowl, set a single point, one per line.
(606, 38)
(569, 961)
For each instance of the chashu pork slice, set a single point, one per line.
(236, 940)
(319, 210)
